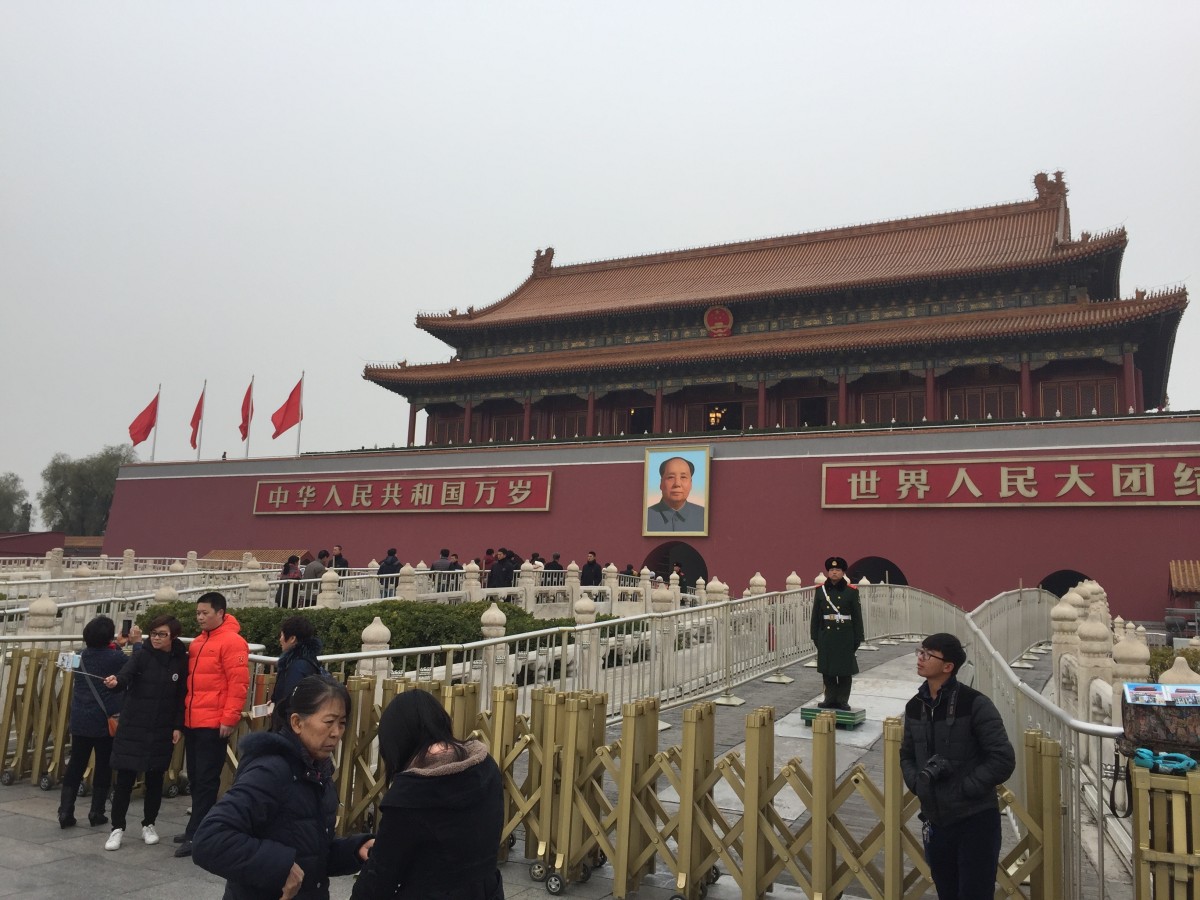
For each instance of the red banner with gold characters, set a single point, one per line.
(1143, 480)
(510, 492)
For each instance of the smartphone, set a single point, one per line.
(126, 625)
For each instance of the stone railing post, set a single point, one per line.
(611, 580)
(193, 561)
(1095, 663)
(495, 656)
(645, 588)
(54, 562)
(1131, 662)
(701, 592)
(329, 597)
(258, 592)
(42, 619)
(406, 583)
(376, 637)
(1179, 673)
(758, 585)
(1065, 639)
(572, 581)
(128, 563)
(472, 587)
(587, 663)
(675, 588)
(527, 584)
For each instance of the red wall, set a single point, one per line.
(765, 516)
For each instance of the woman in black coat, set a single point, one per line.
(91, 705)
(300, 645)
(151, 724)
(271, 835)
(439, 834)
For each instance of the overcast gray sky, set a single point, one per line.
(225, 189)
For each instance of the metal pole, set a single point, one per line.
(200, 433)
(300, 424)
(157, 410)
(251, 419)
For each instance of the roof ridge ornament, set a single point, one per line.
(542, 262)
(1050, 190)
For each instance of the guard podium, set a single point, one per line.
(843, 718)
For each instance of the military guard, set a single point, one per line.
(837, 631)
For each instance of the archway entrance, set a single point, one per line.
(1058, 583)
(877, 570)
(661, 561)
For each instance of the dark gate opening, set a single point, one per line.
(877, 570)
(661, 561)
(1058, 583)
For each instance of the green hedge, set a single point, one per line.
(340, 630)
(1162, 658)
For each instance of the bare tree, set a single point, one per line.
(77, 493)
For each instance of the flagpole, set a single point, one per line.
(251, 417)
(300, 424)
(200, 433)
(157, 410)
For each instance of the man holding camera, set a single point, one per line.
(954, 754)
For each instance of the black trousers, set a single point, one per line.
(205, 753)
(81, 750)
(124, 789)
(963, 856)
(837, 688)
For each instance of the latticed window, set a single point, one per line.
(1078, 397)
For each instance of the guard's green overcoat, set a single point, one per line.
(836, 641)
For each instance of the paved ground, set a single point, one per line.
(38, 859)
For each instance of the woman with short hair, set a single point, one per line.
(91, 705)
(271, 835)
(300, 645)
(155, 682)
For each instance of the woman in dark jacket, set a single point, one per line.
(271, 835)
(290, 576)
(300, 645)
(439, 833)
(91, 705)
(151, 723)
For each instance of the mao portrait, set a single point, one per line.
(676, 491)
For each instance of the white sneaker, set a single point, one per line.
(114, 839)
(149, 835)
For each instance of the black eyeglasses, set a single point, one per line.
(160, 634)
(922, 653)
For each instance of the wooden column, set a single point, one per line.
(843, 400)
(525, 427)
(1128, 384)
(762, 404)
(412, 424)
(591, 415)
(467, 422)
(658, 429)
(931, 410)
(1027, 405)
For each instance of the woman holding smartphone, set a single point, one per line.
(155, 682)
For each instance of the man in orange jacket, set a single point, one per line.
(218, 680)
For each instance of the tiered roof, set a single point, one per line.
(959, 330)
(967, 243)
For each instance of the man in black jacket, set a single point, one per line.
(954, 754)
(591, 575)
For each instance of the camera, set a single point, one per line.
(935, 769)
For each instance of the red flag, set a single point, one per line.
(290, 413)
(197, 418)
(140, 428)
(247, 411)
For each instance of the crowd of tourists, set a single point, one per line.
(272, 833)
